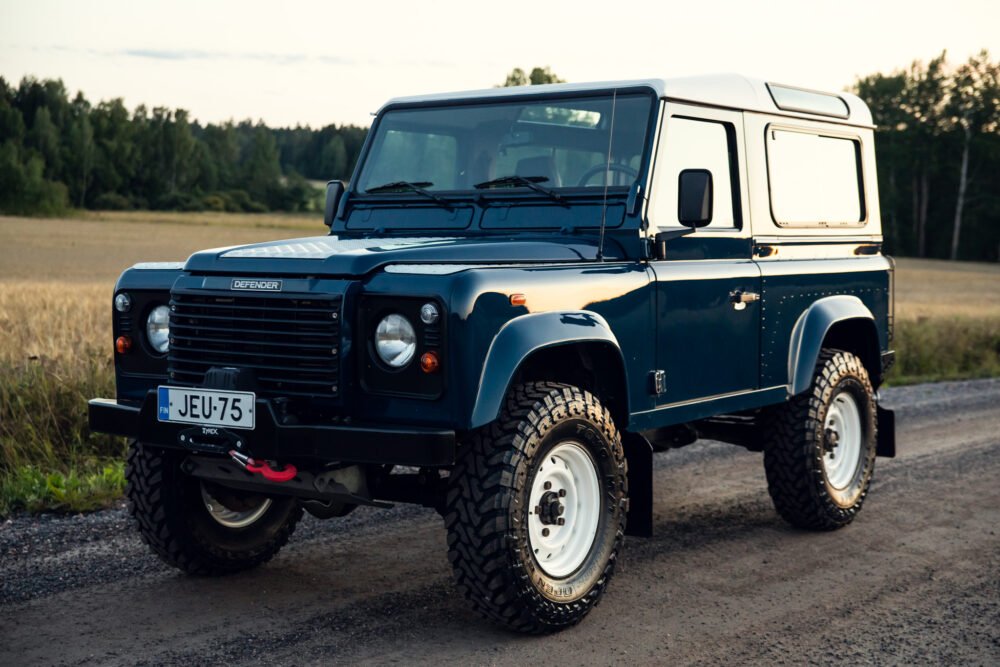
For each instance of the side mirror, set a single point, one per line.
(334, 192)
(694, 198)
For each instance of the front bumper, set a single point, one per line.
(272, 440)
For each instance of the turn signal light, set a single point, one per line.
(123, 344)
(518, 299)
(429, 362)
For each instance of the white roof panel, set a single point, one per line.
(724, 90)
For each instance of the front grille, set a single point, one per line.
(291, 343)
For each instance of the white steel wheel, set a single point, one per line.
(843, 438)
(233, 518)
(564, 510)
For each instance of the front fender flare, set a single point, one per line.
(521, 337)
(810, 330)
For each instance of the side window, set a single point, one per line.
(815, 180)
(698, 144)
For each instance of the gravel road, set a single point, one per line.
(914, 580)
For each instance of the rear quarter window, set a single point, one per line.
(815, 179)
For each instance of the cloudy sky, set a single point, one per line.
(323, 62)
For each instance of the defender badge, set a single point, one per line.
(256, 285)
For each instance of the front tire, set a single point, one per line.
(201, 528)
(536, 508)
(820, 449)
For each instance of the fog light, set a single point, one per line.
(123, 302)
(123, 344)
(429, 362)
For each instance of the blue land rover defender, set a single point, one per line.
(524, 294)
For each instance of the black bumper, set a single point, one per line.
(347, 443)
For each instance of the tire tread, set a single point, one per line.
(482, 484)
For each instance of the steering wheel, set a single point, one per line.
(613, 166)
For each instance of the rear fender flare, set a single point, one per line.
(810, 331)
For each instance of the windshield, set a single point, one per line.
(542, 146)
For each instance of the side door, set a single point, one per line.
(707, 285)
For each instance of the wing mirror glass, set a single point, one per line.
(694, 198)
(334, 192)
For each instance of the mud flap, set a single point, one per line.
(639, 455)
(886, 443)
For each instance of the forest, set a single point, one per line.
(58, 153)
(938, 153)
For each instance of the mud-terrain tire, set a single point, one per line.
(171, 511)
(810, 487)
(503, 508)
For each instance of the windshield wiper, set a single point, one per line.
(527, 181)
(408, 186)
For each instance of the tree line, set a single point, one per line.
(937, 147)
(938, 154)
(58, 152)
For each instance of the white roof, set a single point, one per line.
(733, 91)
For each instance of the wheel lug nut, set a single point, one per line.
(562, 493)
(545, 532)
(538, 509)
(548, 485)
(561, 521)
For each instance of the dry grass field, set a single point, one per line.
(932, 288)
(56, 282)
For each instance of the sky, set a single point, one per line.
(316, 63)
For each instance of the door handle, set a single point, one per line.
(740, 299)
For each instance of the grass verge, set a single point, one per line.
(935, 349)
(49, 459)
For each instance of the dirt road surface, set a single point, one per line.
(915, 580)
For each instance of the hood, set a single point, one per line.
(352, 256)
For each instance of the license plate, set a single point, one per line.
(208, 407)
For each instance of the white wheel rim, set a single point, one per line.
(567, 480)
(842, 435)
(232, 518)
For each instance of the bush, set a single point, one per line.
(239, 201)
(214, 203)
(179, 201)
(112, 201)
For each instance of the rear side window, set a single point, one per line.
(815, 180)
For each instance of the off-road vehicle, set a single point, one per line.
(524, 294)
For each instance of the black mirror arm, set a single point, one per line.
(661, 239)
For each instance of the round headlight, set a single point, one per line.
(395, 341)
(158, 329)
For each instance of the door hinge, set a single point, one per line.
(658, 382)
